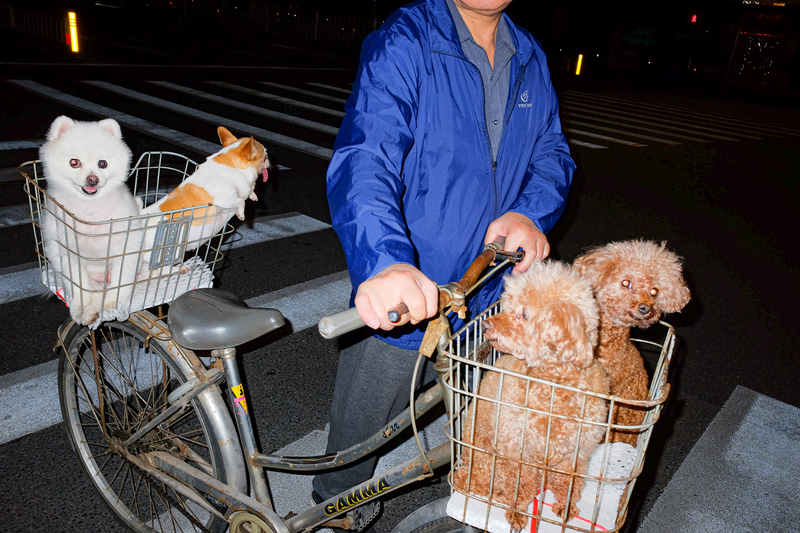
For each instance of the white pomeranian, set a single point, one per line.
(86, 165)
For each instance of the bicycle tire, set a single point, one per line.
(443, 524)
(137, 373)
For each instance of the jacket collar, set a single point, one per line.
(444, 35)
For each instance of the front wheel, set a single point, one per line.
(432, 518)
(135, 373)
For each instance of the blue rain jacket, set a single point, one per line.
(412, 178)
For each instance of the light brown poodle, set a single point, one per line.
(634, 283)
(548, 329)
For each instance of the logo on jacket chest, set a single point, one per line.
(524, 98)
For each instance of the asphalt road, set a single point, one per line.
(728, 207)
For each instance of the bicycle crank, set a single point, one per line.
(245, 522)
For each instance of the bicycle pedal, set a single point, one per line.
(362, 516)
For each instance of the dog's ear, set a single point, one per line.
(593, 266)
(673, 293)
(226, 137)
(59, 126)
(111, 126)
(567, 335)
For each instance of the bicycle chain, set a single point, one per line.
(156, 484)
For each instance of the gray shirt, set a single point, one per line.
(495, 81)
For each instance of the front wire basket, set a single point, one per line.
(119, 266)
(612, 471)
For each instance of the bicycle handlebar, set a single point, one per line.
(452, 294)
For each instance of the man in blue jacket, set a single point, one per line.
(451, 138)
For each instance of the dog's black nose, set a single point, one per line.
(92, 181)
(644, 309)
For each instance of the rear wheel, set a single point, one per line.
(444, 524)
(136, 374)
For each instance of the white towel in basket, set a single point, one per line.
(619, 464)
(146, 293)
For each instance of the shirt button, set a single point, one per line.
(495, 123)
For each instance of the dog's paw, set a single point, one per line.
(516, 520)
(253, 196)
(84, 316)
(558, 509)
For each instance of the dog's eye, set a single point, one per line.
(626, 283)
(102, 163)
(653, 291)
(75, 163)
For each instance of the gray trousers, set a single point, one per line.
(373, 382)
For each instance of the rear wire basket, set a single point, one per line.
(148, 260)
(613, 470)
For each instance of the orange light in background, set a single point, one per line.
(73, 31)
(580, 62)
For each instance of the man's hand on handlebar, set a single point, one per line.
(391, 286)
(520, 232)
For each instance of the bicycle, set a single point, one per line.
(147, 419)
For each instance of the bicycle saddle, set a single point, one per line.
(209, 319)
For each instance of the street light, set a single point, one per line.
(73, 31)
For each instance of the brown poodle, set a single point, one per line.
(634, 283)
(548, 329)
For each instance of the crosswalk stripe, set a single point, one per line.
(20, 145)
(316, 95)
(621, 132)
(592, 116)
(14, 215)
(603, 137)
(279, 99)
(283, 117)
(587, 145)
(260, 133)
(135, 123)
(330, 88)
(29, 397)
(734, 116)
(27, 283)
(661, 120)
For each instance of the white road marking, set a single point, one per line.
(316, 95)
(331, 88)
(260, 133)
(279, 99)
(20, 145)
(135, 123)
(621, 132)
(27, 283)
(587, 145)
(660, 121)
(603, 137)
(283, 117)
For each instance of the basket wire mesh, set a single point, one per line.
(609, 480)
(143, 261)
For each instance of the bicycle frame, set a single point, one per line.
(158, 463)
(183, 478)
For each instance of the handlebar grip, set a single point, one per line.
(337, 324)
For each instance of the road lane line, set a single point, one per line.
(260, 133)
(27, 283)
(279, 99)
(283, 117)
